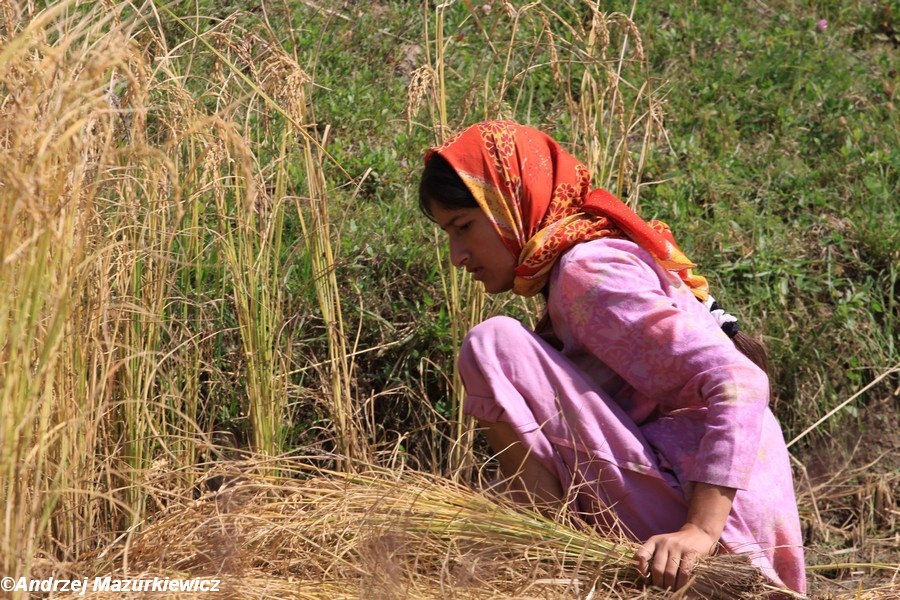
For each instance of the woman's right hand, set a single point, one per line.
(669, 558)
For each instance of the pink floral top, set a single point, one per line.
(643, 338)
(659, 353)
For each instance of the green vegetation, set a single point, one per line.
(210, 244)
(785, 148)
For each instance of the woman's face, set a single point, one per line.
(476, 245)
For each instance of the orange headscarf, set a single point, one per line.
(540, 201)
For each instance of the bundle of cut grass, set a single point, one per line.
(311, 534)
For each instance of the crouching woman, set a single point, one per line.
(631, 405)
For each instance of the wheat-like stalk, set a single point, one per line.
(408, 532)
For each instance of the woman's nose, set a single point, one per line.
(458, 254)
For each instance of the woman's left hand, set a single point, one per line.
(669, 558)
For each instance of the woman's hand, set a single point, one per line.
(669, 558)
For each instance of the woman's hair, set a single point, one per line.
(440, 183)
(752, 349)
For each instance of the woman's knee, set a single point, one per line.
(494, 337)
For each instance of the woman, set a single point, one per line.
(630, 405)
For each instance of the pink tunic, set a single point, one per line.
(634, 394)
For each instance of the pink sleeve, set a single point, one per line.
(631, 317)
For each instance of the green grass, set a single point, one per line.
(779, 175)
(785, 148)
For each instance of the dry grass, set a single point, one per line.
(386, 534)
(309, 533)
(849, 511)
(383, 534)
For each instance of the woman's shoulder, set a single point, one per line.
(610, 266)
(606, 254)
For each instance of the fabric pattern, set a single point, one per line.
(634, 394)
(540, 201)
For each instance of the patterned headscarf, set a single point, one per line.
(540, 201)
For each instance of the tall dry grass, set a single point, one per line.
(388, 534)
(59, 309)
(138, 213)
(134, 222)
(464, 298)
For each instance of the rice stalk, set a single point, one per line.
(833, 411)
(115, 357)
(104, 230)
(440, 123)
(278, 83)
(250, 229)
(315, 221)
(56, 140)
(465, 308)
(464, 298)
(613, 108)
(605, 127)
(618, 108)
(395, 534)
(284, 83)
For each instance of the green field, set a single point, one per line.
(212, 261)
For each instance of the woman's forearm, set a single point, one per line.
(709, 508)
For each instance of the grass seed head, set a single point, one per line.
(421, 85)
(287, 83)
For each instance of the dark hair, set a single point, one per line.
(752, 349)
(442, 184)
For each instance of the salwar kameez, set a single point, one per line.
(631, 395)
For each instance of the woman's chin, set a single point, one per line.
(495, 288)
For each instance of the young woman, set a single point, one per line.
(631, 405)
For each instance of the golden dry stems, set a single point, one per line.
(421, 86)
(249, 230)
(465, 299)
(465, 306)
(57, 143)
(108, 168)
(393, 534)
(600, 66)
(864, 496)
(100, 216)
(284, 80)
(11, 18)
(315, 221)
(278, 78)
(616, 104)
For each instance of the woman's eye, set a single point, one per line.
(465, 226)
